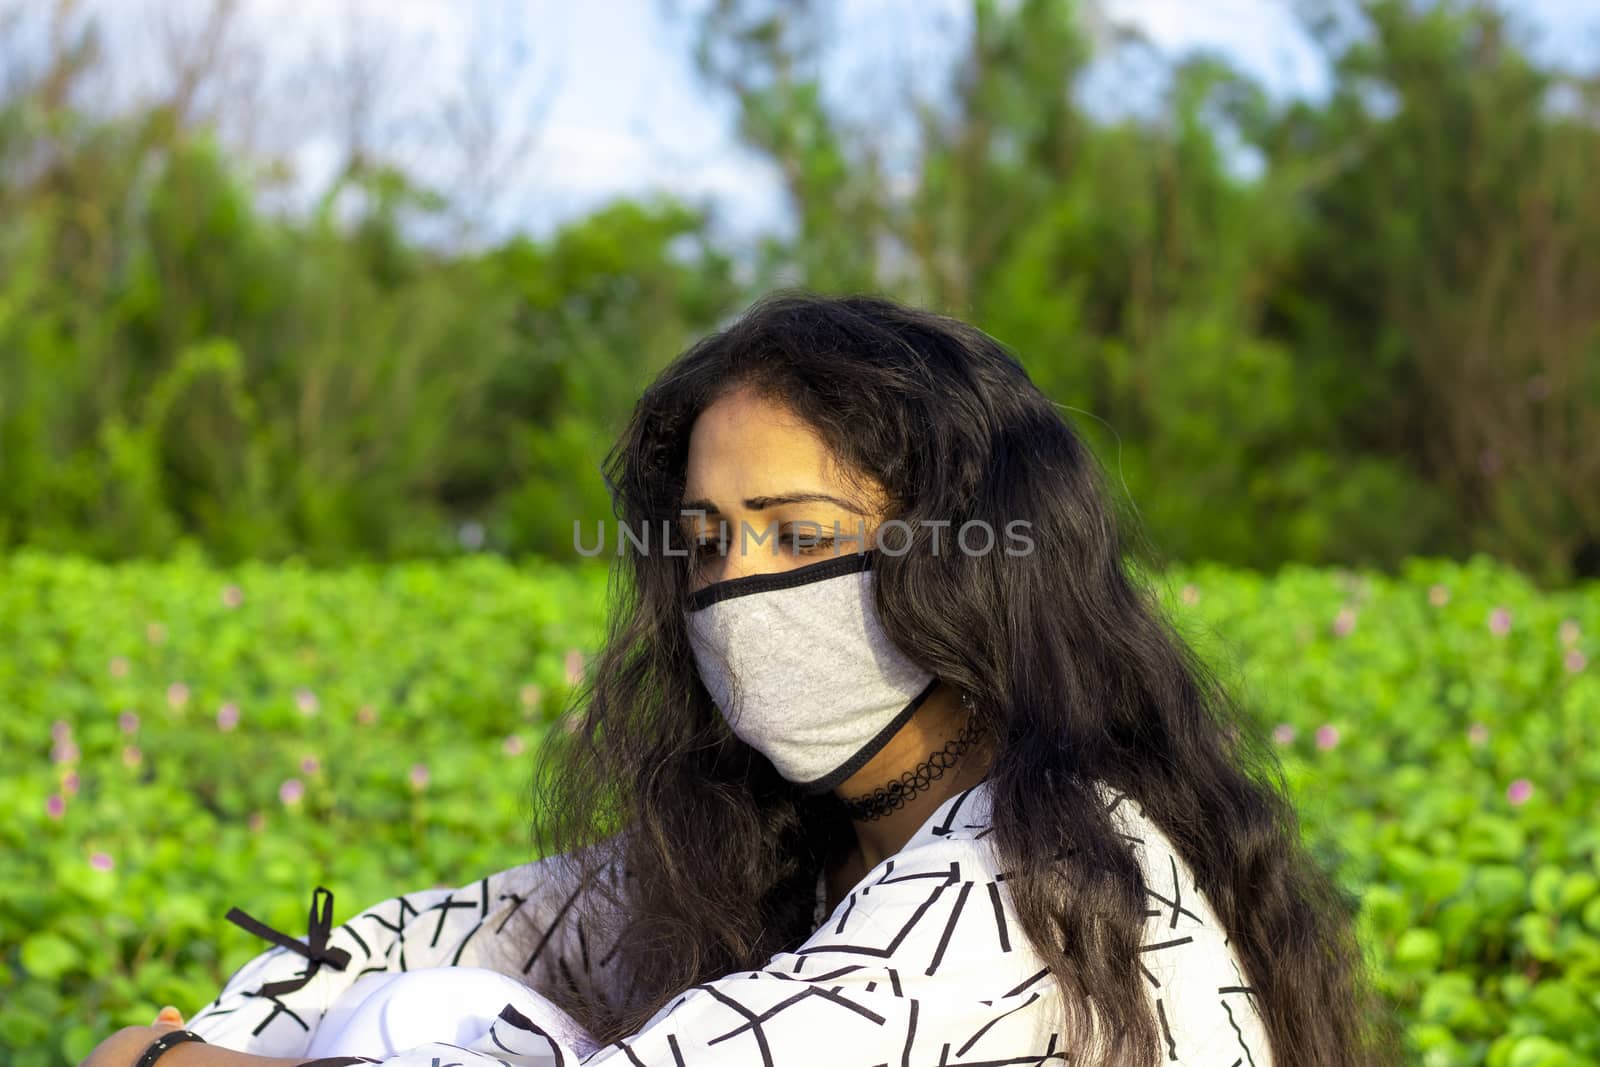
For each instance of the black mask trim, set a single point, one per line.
(871, 748)
(715, 593)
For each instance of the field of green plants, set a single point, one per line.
(177, 739)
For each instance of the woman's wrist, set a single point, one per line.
(190, 1053)
(200, 1054)
(161, 1047)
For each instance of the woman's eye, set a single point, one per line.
(709, 541)
(810, 543)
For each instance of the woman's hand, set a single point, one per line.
(123, 1048)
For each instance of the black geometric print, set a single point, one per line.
(921, 963)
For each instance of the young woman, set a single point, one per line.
(886, 760)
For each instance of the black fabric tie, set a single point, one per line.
(316, 949)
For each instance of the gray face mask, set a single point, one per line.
(799, 665)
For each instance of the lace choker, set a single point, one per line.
(887, 798)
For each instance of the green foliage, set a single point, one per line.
(176, 365)
(1440, 732)
(116, 687)
(1376, 339)
(1410, 713)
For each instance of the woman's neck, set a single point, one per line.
(938, 721)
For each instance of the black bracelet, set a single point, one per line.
(164, 1042)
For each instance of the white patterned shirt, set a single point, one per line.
(922, 962)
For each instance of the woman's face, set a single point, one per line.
(770, 492)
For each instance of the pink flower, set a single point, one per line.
(306, 701)
(309, 765)
(65, 752)
(131, 756)
(1283, 733)
(56, 806)
(291, 791)
(1477, 735)
(101, 861)
(258, 822)
(155, 633)
(118, 667)
(1574, 661)
(1191, 595)
(128, 722)
(1568, 632)
(69, 783)
(1519, 791)
(1344, 622)
(60, 730)
(1499, 622)
(419, 776)
(513, 745)
(531, 695)
(1438, 595)
(574, 666)
(177, 695)
(1327, 737)
(232, 596)
(228, 716)
(366, 714)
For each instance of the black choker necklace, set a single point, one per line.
(886, 798)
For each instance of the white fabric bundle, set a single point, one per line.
(384, 1013)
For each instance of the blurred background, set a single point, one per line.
(317, 317)
(346, 280)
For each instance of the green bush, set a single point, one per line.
(1440, 731)
(172, 708)
(1441, 734)
(1340, 331)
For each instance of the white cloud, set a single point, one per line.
(1262, 36)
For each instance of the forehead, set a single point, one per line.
(744, 445)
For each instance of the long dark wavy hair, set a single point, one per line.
(1077, 674)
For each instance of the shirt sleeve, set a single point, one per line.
(521, 921)
(920, 964)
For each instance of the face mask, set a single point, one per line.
(799, 665)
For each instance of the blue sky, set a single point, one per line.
(607, 93)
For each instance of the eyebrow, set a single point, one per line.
(762, 503)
